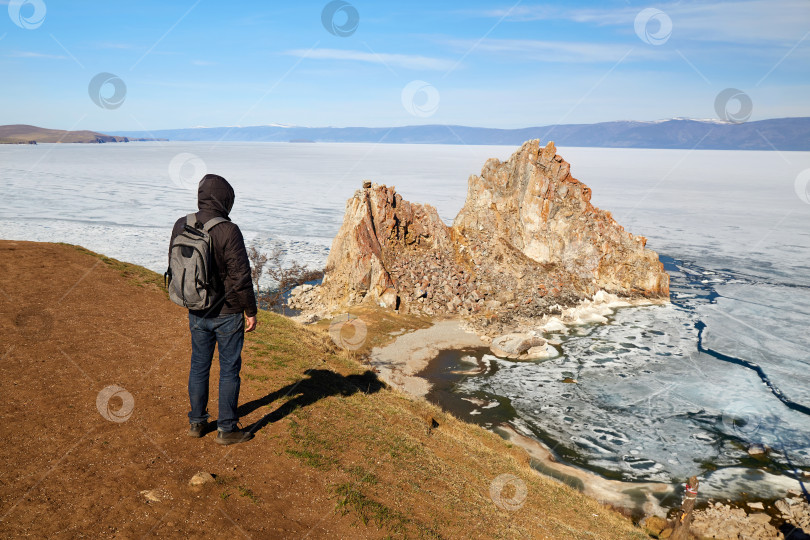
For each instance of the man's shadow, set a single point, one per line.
(319, 384)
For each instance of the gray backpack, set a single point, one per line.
(189, 276)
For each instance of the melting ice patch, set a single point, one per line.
(647, 404)
(618, 412)
(766, 325)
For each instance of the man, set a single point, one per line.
(223, 324)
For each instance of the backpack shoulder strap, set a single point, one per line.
(191, 220)
(213, 222)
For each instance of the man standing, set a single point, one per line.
(222, 324)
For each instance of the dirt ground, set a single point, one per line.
(93, 372)
(71, 326)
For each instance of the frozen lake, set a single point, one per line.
(288, 193)
(660, 393)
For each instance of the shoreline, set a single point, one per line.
(407, 355)
(595, 310)
(399, 362)
(612, 492)
(418, 348)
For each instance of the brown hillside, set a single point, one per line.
(335, 454)
(20, 133)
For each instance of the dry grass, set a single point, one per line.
(385, 466)
(380, 324)
(135, 275)
(374, 450)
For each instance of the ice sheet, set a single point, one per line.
(120, 199)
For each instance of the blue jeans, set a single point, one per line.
(227, 332)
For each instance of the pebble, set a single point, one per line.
(784, 507)
(151, 495)
(760, 517)
(757, 449)
(201, 478)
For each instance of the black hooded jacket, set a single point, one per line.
(230, 263)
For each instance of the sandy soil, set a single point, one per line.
(398, 362)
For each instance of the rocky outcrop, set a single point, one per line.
(795, 511)
(382, 234)
(527, 243)
(532, 204)
(787, 518)
(720, 520)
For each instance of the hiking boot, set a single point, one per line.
(196, 430)
(233, 437)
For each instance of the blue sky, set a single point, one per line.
(495, 64)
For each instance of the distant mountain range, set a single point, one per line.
(25, 134)
(775, 134)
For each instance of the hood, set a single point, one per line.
(215, 195)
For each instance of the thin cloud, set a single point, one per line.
(406, 61)
(739, 21)
(552, 51)
(30, 54)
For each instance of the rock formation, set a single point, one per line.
(527, 243)
(382, 233)
(532, 203)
